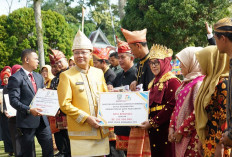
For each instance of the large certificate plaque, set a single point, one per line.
(123, 108)
(47, 100)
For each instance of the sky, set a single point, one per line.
(4, 8)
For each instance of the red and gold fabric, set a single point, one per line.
(101, 53)
(160, 114)
(57, 54)
(123, 46)
(138, 144)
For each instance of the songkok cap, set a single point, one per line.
(52, 59)
(223, 26)
(160, 52)
(57, 54)
(135, 36)
(101, 53)
(123, 46)
(81, 42)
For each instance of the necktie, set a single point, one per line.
(33, 82)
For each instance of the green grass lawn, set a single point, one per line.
(37, 147)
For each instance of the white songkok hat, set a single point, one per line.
(81, 42)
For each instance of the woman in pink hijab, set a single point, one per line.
(182, 124)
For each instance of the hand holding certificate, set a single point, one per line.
(47, 101)
(10, 110)
(123, 108)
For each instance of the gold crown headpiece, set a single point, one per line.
(224, 25)
(160, 52)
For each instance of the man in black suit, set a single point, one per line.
(22, 87)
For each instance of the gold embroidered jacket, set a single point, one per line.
(78, 98)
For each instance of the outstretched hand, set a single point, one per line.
(208, 28)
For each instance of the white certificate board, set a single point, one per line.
(47, 100)
(123, 108)
(10, 110)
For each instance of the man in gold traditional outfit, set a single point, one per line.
(78, 91)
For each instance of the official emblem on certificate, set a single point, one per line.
(123, 108)
(47, 100)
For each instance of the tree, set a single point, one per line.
(99, 12)
(121, 5)
(39, 31)
(98, 15)
(174, 23)
(18, 32)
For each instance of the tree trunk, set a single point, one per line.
(121, 4)
(39, 31)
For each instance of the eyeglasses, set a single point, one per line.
(81, 52)
(155, 63)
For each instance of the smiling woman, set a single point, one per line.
(161, 101)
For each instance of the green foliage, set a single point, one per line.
(98, 15)
(174, 23)
(18, 32)
(101, 16)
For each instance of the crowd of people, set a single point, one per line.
(189, 117)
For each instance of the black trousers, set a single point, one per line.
(114, 152)
(14, 136)
(6, 134)
(63, 142)
(44, 137)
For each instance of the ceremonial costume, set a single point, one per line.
(162, 101)
(183, 116)
(144, 75)
(124, 78)
(78, 91)
(224, 26)
(60, 120)
(109, 76)
(103, 54)
(116, 69)
(210, 103)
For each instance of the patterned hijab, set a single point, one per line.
(214, 65)
(188, 58)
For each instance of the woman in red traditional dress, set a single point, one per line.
(161, 101)
(182, 124)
